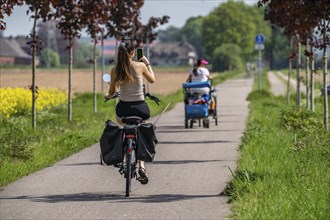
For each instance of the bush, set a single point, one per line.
(256, 95)
(81, 55)
(300, 119)
(18, 101)
(49, 58)
(227, 57)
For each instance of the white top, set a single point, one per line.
(202, 75)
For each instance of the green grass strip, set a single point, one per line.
(283, 170)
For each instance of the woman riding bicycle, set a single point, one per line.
(127, 76)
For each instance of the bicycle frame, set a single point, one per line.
(130, 162)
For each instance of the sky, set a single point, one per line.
(179, 11)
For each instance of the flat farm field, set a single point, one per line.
(167, 81)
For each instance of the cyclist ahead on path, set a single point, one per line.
(127, 76)
(199, 74)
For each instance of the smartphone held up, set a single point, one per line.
(139, 53)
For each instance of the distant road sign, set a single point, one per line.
(260, 39)
(259, 46)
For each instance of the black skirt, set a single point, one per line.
(138, 108)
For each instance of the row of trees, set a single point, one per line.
(304, 23)
(100, 18)
(226, 36)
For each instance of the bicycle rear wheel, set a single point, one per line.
(216, 111)
(128, 168)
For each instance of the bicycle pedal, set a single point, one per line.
(118, 165)
(121, 171)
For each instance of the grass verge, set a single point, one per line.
(25, 150)
(283, 170)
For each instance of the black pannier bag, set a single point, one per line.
(111, 143)
(146, 142)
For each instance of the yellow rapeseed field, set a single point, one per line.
(19, 100)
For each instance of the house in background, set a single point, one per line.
(173, 54)
(11, 52)
(109, 47)
(14, 51)
(160, 53)
(22, 42)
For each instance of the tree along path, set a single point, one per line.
(190, 170)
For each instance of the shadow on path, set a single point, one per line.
(195, 130)
(176, 162)
(81, 164)
(117, 197)
(196, 142)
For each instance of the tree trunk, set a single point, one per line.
(312, 108)
(298, 74)
(289, 75)
(103, 61)
(307, 80)
(94, 78)
(325, 82)
(33, 86)
(69, 83)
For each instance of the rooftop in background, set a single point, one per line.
(12, 52)
(12, 47)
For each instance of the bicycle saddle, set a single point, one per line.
(131, 120)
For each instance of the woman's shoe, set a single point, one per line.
(143, 178)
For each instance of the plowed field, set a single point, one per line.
(82, 80)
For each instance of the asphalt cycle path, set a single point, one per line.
(190, 170)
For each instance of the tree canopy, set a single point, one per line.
(192, 32)
(7, 8)
(234, 23)
(314, 25)
(231, 23)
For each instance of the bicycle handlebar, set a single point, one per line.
(116, 95)
(151, 97)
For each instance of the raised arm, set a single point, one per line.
(147, 71)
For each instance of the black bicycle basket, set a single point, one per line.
(146, 142)
(111, 143)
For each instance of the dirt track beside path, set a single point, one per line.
(82, 80)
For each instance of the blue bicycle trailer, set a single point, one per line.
(200, 103)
